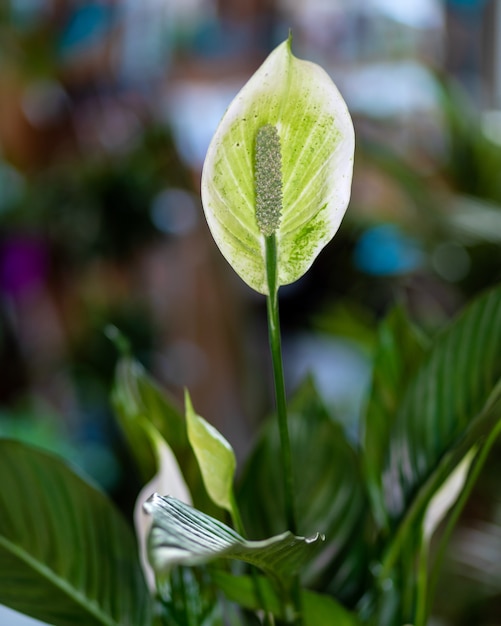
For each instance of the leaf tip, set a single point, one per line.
(314, 538)
(150, 503)
(188, 405)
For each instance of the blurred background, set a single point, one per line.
(106, 111)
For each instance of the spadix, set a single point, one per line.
(280, 163)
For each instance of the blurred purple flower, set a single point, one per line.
(23, 265)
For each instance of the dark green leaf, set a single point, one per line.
(445, 400)
(330, 494)
(189, 598)
(394, 592)
(398, 353)
(136, 397)
(451, 406)
(257, 593)
(66, 555)
(182, 535)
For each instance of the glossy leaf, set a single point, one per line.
(315, 132)
(66, 555)
(136, 397)
(138, 401)
(330, 494)
(189, 598)
(399, 350)
(445, 401)
(445, 498)
(182, 535)
(442, 493)
(452, 405)
(257, 593)
(215, 457)
(436, 414)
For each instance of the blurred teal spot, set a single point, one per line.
(88, 24)
(385, 251)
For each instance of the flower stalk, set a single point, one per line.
(268, 188)
(278, 377)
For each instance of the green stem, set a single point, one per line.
(422, 585)
(408, 581)
(240, 528)
(281, 405)
(278, 375)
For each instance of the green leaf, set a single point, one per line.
(445, 403)
(215, 457)
(257, 593)
(182, 535)
(449, 484)
(452, 406)
(135, 398)
(189, 598)
(298, 105)
(66, 555)
(445, 498)
(399, 351)
(480, 454)
(142, 409)
(329, 489)
(322, 609)
(145, 412)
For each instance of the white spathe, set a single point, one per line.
(168, 481)
(317, 142)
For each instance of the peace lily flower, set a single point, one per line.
(279, 166)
